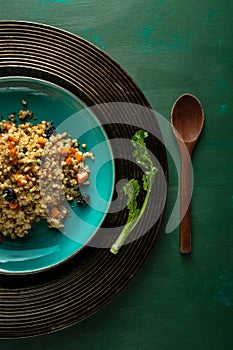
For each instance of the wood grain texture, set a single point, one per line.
(168, 47)
(187, 120)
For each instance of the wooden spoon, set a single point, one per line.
(187, 119)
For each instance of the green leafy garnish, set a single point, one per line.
(132, 188)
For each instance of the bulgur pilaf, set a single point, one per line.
(40, 171)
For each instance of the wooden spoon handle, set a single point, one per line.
(185, 225)
(185, 234)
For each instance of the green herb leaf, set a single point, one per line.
(140, 153)
(132, 188)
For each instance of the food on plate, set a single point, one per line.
(40, 170)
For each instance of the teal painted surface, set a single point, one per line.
(168, 47)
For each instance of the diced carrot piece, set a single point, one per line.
(13, 152)
(55, 212)
(69, 160)
(64, 151)
(20, 179)
(83, 176)
(12, 138)
(16, 177)
(73, 150)
(78, 156)
(40, 126)
(41, 141)
(10, 144)
(8, 126)
(13, 205)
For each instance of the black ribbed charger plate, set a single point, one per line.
(51, 300)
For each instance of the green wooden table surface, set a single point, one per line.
(168, 47)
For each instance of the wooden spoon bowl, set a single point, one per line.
(187, 119)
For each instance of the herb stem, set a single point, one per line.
(132, 188)
(130, 225)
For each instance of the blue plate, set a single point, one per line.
(44, 248)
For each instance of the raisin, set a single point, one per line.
(50, 129)
(9, 195)
(74, 144)
(82, 199)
